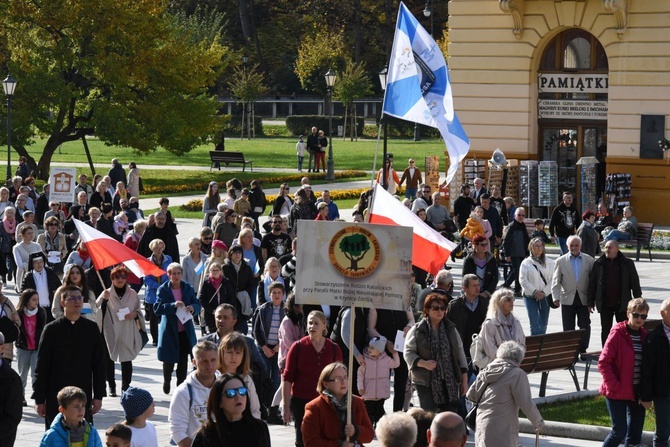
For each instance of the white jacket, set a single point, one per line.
(184, 420)
(530, 278)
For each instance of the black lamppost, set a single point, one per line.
(245, 115)
(8, 85)
(383, 76)
(331, 77)
(428, 12)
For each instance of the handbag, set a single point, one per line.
(471, 417)
(548, 298)
(143, 333)
(9, 329)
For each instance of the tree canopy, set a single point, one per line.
(126, 71)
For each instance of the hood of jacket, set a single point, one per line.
(495, 370)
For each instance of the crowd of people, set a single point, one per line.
(261, 358)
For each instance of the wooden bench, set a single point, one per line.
(643, 239)
(552, 352)
(228, 158)
(590, 357)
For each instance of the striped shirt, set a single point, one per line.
(273, 336)
(637, 347)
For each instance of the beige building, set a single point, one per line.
(565, 79)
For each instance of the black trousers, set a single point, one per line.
(126, 374)
(298, 413)
(606, 315)
(153, 320)
(581, 312)
(375, 409)
(400, 375)
(182, 365)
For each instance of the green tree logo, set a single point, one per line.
(354, 248)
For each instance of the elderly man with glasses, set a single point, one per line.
(515, 243)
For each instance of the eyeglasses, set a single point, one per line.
(230, 393)
(338, 379)
(438, 308)
(277, 222)
(72, 298)
(483, 244)
(637, 315)
(119, 277)
(287, 189)
(215, 270)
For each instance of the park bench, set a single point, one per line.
(593, 356)
(643, 239)
(228, 158)
(552, 352)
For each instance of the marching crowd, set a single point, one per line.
(261, 358)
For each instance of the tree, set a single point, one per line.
(353, 83)
(316, 55)
(354, 248)
(124, 70)
(248, 86)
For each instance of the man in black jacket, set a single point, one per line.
(159, 230)
(656, 375)
(515, 242)
(564, 221)
(613, 282)
(312, 148)
(11, 410)
(468, 311)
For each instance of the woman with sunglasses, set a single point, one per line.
(120, 308)
(501, 325)
(620, 364)
(483, 264)
(283, 203)
(234, 358)
(434, 353)
(325, 417)
(229, 419)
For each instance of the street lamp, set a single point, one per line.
(428, 12)
(8, 85)
(331, 77)
(383, 77)
(245, 115)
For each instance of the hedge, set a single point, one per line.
(302, 124)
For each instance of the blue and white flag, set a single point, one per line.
(418, 87)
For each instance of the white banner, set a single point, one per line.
(62, 181)
(573, 83)
(342, 263)
(572, 109)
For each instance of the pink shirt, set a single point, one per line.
(30, 325)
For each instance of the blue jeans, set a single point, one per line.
(563, 244)
(300, 159)
(27, 360)
(538, 314)
(410, 193)
(616, 235)
(627, 422)
(273, 368)
(662, 411)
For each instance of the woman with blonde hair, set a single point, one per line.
(271, 273)
(500, 324)
(234, 358)
(535, 276)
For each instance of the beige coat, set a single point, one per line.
(122, 337)
(62, 245)
(507, 391)
(493, 336)
(10, 310)
(563, 284)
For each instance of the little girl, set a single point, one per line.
(121, 224)
(374, 378)
(33, 318)
(138, 406)
(473, 227)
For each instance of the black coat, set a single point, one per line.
(508, 240)
(466, 321)
(210, 301)
(656, 366)
(628, 277)
(491, 274)
(11, 408)
(166, 234)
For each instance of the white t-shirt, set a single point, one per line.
(144, 437)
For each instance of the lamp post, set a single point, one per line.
(428, 12)
(331, 77)
(8, 85)
(383, 76)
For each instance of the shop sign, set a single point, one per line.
(573, 83)
(572, 109)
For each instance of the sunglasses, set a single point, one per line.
(206, 238)
(72, 298)
(438, 308)
(230, 393)
(119, 277)
(637, 315)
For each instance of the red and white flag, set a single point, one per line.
(430, 250)
(106, 252)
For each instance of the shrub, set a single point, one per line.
(302, 124)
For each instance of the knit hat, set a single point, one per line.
(379, 343)
(219, 244)
(135, 401)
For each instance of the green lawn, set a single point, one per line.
(265, 152)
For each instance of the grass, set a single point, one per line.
(265, 152)
(588, 411)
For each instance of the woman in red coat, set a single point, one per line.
(620, 365)
(324, 424)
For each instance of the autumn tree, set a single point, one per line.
(124, 70)
(247, 85)
(353, 83)
(316, 55)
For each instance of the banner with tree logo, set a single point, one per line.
(344, 264)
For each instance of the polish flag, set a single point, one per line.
(430, 250)
(106, 252)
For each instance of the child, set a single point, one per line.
(374, 379)
(33, 318)
(118, 435)
(300, 148)
(121, 225)
(539, 231)
(138, 406)
(69, 428)
(473, 227)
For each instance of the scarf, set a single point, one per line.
(339, 405)
(30, 313)
(84, 255)
(159, 264)
(442, 379)
(9, 226)
(507, 324)
(216, 282)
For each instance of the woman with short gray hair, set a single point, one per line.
(500, 390)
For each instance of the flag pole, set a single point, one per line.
(350, 361)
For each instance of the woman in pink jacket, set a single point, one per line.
(620, 365)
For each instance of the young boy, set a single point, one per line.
(118, 435)
(138, 406)
(69, 428)
(539, 231)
